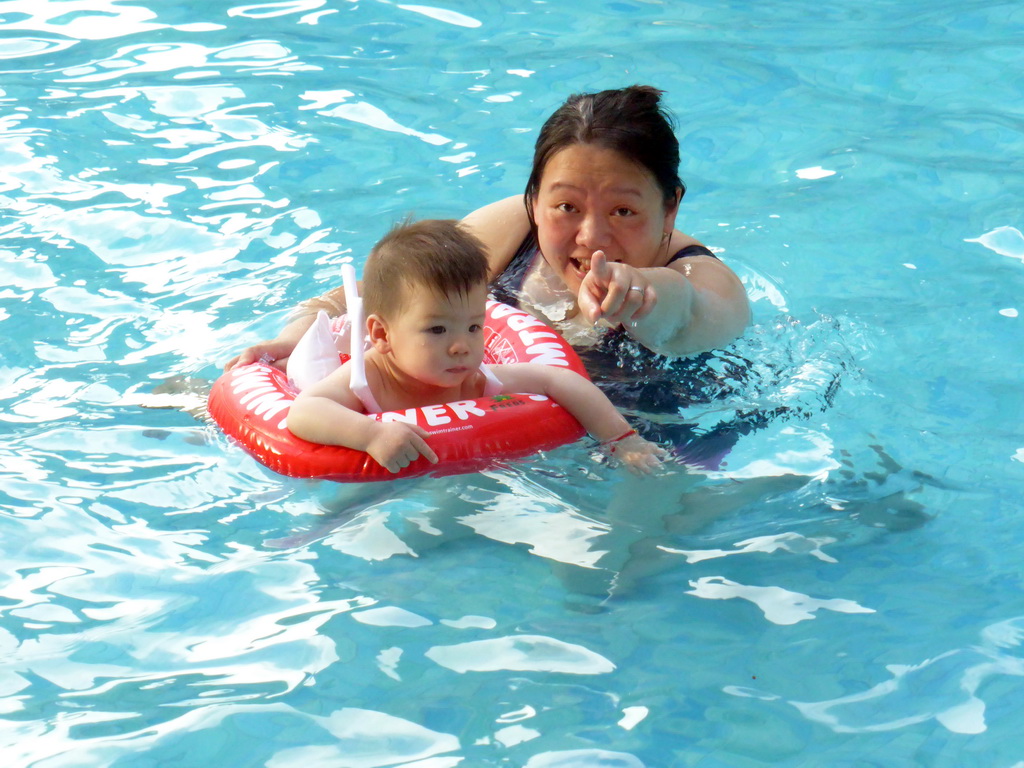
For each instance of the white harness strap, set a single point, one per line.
(493, 385)
(357, 332)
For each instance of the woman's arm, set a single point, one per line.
(501, 226)
(691, 306)
(701, 305)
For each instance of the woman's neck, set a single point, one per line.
(544, 295)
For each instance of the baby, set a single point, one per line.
(425, 293)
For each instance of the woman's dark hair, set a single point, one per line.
(630, 121)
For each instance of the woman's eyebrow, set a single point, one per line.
(557, 186)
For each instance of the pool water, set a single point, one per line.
(845, 590)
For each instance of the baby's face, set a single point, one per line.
(439, 339)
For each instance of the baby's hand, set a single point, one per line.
(641, 457)
(396, 445)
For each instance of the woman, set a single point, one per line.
(593, 240)
(592, 245)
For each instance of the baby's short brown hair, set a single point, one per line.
(437, 254)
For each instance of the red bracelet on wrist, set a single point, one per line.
(623, 436)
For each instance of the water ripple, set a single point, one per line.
(27, 46)
(175, 177)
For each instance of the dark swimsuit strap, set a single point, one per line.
(507, 285)
(691, 250)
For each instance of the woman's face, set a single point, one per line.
(591, 198)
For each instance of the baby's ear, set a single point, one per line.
(377, 331)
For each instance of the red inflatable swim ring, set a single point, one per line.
(250, 404)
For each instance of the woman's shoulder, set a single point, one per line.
(501, 226)
(696, 261)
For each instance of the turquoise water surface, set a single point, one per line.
(845, 591)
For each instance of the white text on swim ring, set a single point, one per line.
(546, 353)
(262, 397)
(435, 415)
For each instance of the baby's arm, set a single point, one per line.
(326, 413)
(588, 405)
